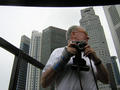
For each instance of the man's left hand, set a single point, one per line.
(90, 53)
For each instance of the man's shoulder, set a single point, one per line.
(58, 50)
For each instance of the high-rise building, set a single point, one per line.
(97, 41)
(33, 73)
(112, 13)
(52, 38)
(115, 70)
(111, 76)
(19, 71)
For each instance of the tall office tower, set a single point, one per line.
(111, 76)
(52, 38)
(113, 17)
(19, 71)
(97, 41)
(33, 73)
(115, 69)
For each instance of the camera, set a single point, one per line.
(78, 62)
(79, 45)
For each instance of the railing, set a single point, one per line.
(20, 55)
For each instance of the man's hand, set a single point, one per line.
(71, 49)
(90, 53)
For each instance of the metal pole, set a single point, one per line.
(14, 50)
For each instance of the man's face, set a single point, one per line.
(80, 35)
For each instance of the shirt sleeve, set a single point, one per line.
(54, 57)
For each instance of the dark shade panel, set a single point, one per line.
(58, 3)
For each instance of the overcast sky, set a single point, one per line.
(18, 21)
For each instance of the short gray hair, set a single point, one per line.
(70, 29)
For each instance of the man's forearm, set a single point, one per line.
(48, 77)
(50, 74)
(102, 73)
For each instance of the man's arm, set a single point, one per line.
(102, 73)
(48, 77)
(50, 74)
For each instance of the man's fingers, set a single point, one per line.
(87, 46)
(88, 53)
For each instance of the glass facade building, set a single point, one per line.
(52, 38)
(20, 65)
(112, 13)
(33, 73)
(115, 69)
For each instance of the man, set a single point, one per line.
(58, 68)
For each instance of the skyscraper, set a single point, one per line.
(52, 38)
(20, 66)
(97, 41)
(33, 73)
(112, 13)
(115, 69)
(111, 76)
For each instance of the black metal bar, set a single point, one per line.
(14, 50)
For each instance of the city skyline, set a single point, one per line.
(18, 21)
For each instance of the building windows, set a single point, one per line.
(118, 33)
(101, 52)
(114, 15)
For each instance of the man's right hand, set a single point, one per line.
(70, 48)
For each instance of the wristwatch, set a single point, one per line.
(98, 63)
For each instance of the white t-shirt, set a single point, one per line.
(68, 79)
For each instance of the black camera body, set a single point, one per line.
(79, 45)
(78, 62)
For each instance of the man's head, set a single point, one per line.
(77, 33)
